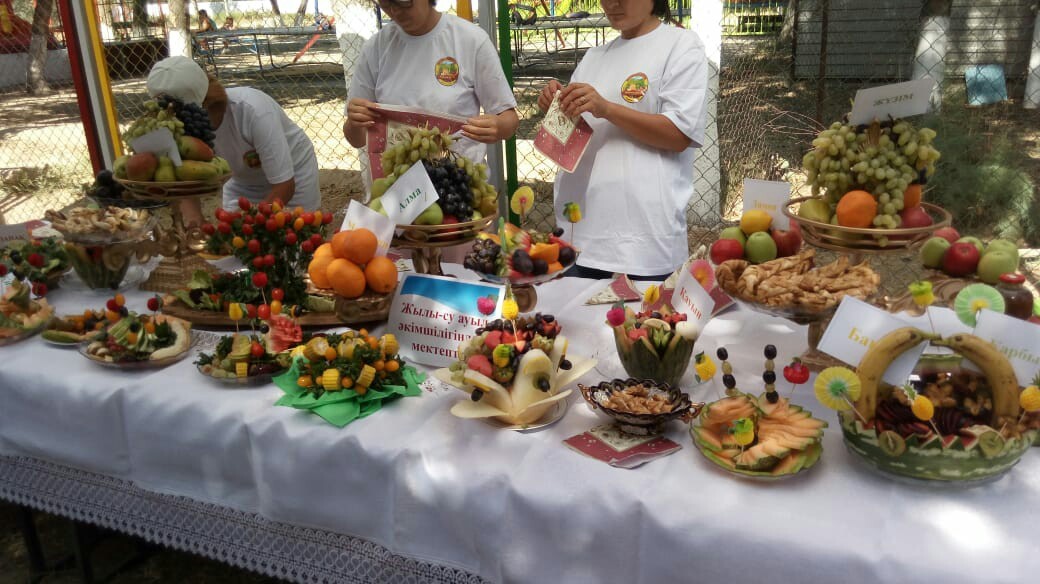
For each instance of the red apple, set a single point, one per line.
(787, 242)
(726, 249)
(961, 259)
(912, 218)
(948, 233)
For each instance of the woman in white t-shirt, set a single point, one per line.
(643, 95)
(271, 158)
(399, 66)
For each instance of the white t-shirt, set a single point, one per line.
(633, 197)
(264, 147)
(397, 68)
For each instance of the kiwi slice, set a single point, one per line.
(891, 443)
(991, 443)
(63, 337)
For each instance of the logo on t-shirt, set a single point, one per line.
(635, 87)
(251, 159)
(446, 71)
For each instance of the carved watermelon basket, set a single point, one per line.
(965, 447)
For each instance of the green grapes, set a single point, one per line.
(883, 159)
(154, 119)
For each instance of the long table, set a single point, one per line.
(415, 494)
(596, 23)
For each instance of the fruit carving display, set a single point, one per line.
(190, 126)
(20, 313)
(758, 436)
(242, 356)
(949, 423)
(354, 361)
(517, 254)
(514, 370)
(276, 246)
(756, 240)
(461, 184)
(349, 265)
(41, 262)
(76, 328)
(130, 337)
(871, 176)
(655, 344)
(965, 257)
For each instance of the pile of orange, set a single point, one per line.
(348, 264)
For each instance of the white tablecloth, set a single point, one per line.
(518, 507)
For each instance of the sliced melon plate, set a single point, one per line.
(787, 438)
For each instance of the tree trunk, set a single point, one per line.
(301, 10)
(140, 18)
(787, 30)
(274, 7)
(36, 83)
(1032, 97)
(932, 42)
(178, 37)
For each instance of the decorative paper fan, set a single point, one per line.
(837, 387)
(975, 297)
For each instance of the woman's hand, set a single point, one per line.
(360, 113)
(483, 128)
(547, 95)
(578, 98)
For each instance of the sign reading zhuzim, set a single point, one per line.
(410, 195)
(899, 100)
(770, 196)
(431, 315)
(856, 327)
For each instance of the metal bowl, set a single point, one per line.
(641, 424)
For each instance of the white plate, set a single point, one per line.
(554, 415)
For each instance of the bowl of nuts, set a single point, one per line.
(640, 406)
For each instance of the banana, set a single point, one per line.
(875, 362)
(998, 370)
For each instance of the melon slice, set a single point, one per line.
(472, 409)
(707, 438)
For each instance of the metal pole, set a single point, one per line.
(501, 173)
(821, 84)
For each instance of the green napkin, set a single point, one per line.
(340, 408)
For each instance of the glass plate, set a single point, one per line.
(251, 381)
(551, 417)
(759, 476)
(523, 280)
(136, 365)
(21, 336)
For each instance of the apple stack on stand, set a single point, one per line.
(965, 257)
(755, 240)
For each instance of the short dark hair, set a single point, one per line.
(662, 11)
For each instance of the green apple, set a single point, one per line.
(1001, 245)
(932, 252)
(996, 263)
(815, 210)
(974, 241)
(734, 233)
(433, 215)
(760, 247)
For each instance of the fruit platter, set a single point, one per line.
(137, 341)
(42, 262)
(514, 371)
(101, 225)
(868, 183)
(243, 359)
(762, 436)
(948, 424)
(653, 345)
(71, 330)
(641, 407)
(21, 316)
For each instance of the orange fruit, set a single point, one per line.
(381, 274)
(912, 196)
(324, 250)
(856, 209)
(346, 278)
(339, 243)
(318, 270)
(550, 252)
(359, 246)
(555, 267)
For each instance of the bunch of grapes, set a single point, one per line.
(196, 121)
(883, 159)
(452, 183)
(461, 183)
(154, 119)
(483, 257)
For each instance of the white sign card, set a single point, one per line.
(1018, 339)
(411, 194)
(769, 196)
(856, 326)
(692, 299)
(159, 142)
(431, 315)
(899, 100)
(359, 216)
